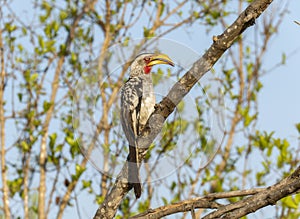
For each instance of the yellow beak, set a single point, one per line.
(160, 59)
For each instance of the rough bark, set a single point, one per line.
(257, 199)
(269, 196)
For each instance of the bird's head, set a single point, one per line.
(143, 63)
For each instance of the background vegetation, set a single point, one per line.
(62, 66)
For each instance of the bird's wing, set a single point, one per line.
(131, 97)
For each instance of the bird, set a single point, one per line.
(137, 104)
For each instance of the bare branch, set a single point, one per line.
(260, 197)
(183, 206)
(55, 83)
(155, 123)
(88, 6)
(5, 197)
(269, 196)
(207, 201)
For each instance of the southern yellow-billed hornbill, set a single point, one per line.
(137, 104)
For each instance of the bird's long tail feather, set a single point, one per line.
(133, 172)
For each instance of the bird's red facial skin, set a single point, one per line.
(147, 69)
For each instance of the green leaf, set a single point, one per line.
(78, 171)
(63, 15)
(41, 42)
(158, 76)
(74, 146)
(20, 97)
(59, 148)
(297, 198)
(73, 58)
(25, 146)
(31, 114)
(51, 29)
(258, 86)
(173, 186)
(162, 9)
(55, 26)
(33, 77)
(290, 202)
(99, 199)
(70, 141)
(165, 201)
(283, 58)
(215, 14)
(24, 31)
(10, 27)
(249, 68)
(248, 50)
(62, 50)
(148, 32)
(259, 178)
(15, 185)
(143, 206)
(196, 14)
(50, 46)
(52, 138)
(46, 6)
(240, 150)
(46, 106)
(86, 184)
(298, 127)
(126, 41)
(20, 47)
(43, 18)
(180, 106)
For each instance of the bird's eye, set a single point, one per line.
(147, 59)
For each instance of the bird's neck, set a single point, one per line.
(147, 77)
(147, 84)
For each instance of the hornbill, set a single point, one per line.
(137, 104)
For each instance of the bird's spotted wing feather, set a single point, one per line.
(131, 98)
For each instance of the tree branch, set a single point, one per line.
(259, 198)
(183, 206)
(88, 6)
(5, 189)
(269, 196)
(207, 201)
(162, 110)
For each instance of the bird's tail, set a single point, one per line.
(133, 172)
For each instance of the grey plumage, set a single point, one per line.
(137, 104)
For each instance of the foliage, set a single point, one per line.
(61, 107)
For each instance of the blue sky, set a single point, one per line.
(279, 102)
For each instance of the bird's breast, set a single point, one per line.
(147, 107)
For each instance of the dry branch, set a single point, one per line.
(269, 196)
(221, 43)
(258, 198)
(207, 201)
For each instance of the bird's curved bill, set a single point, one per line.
(160, 59)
